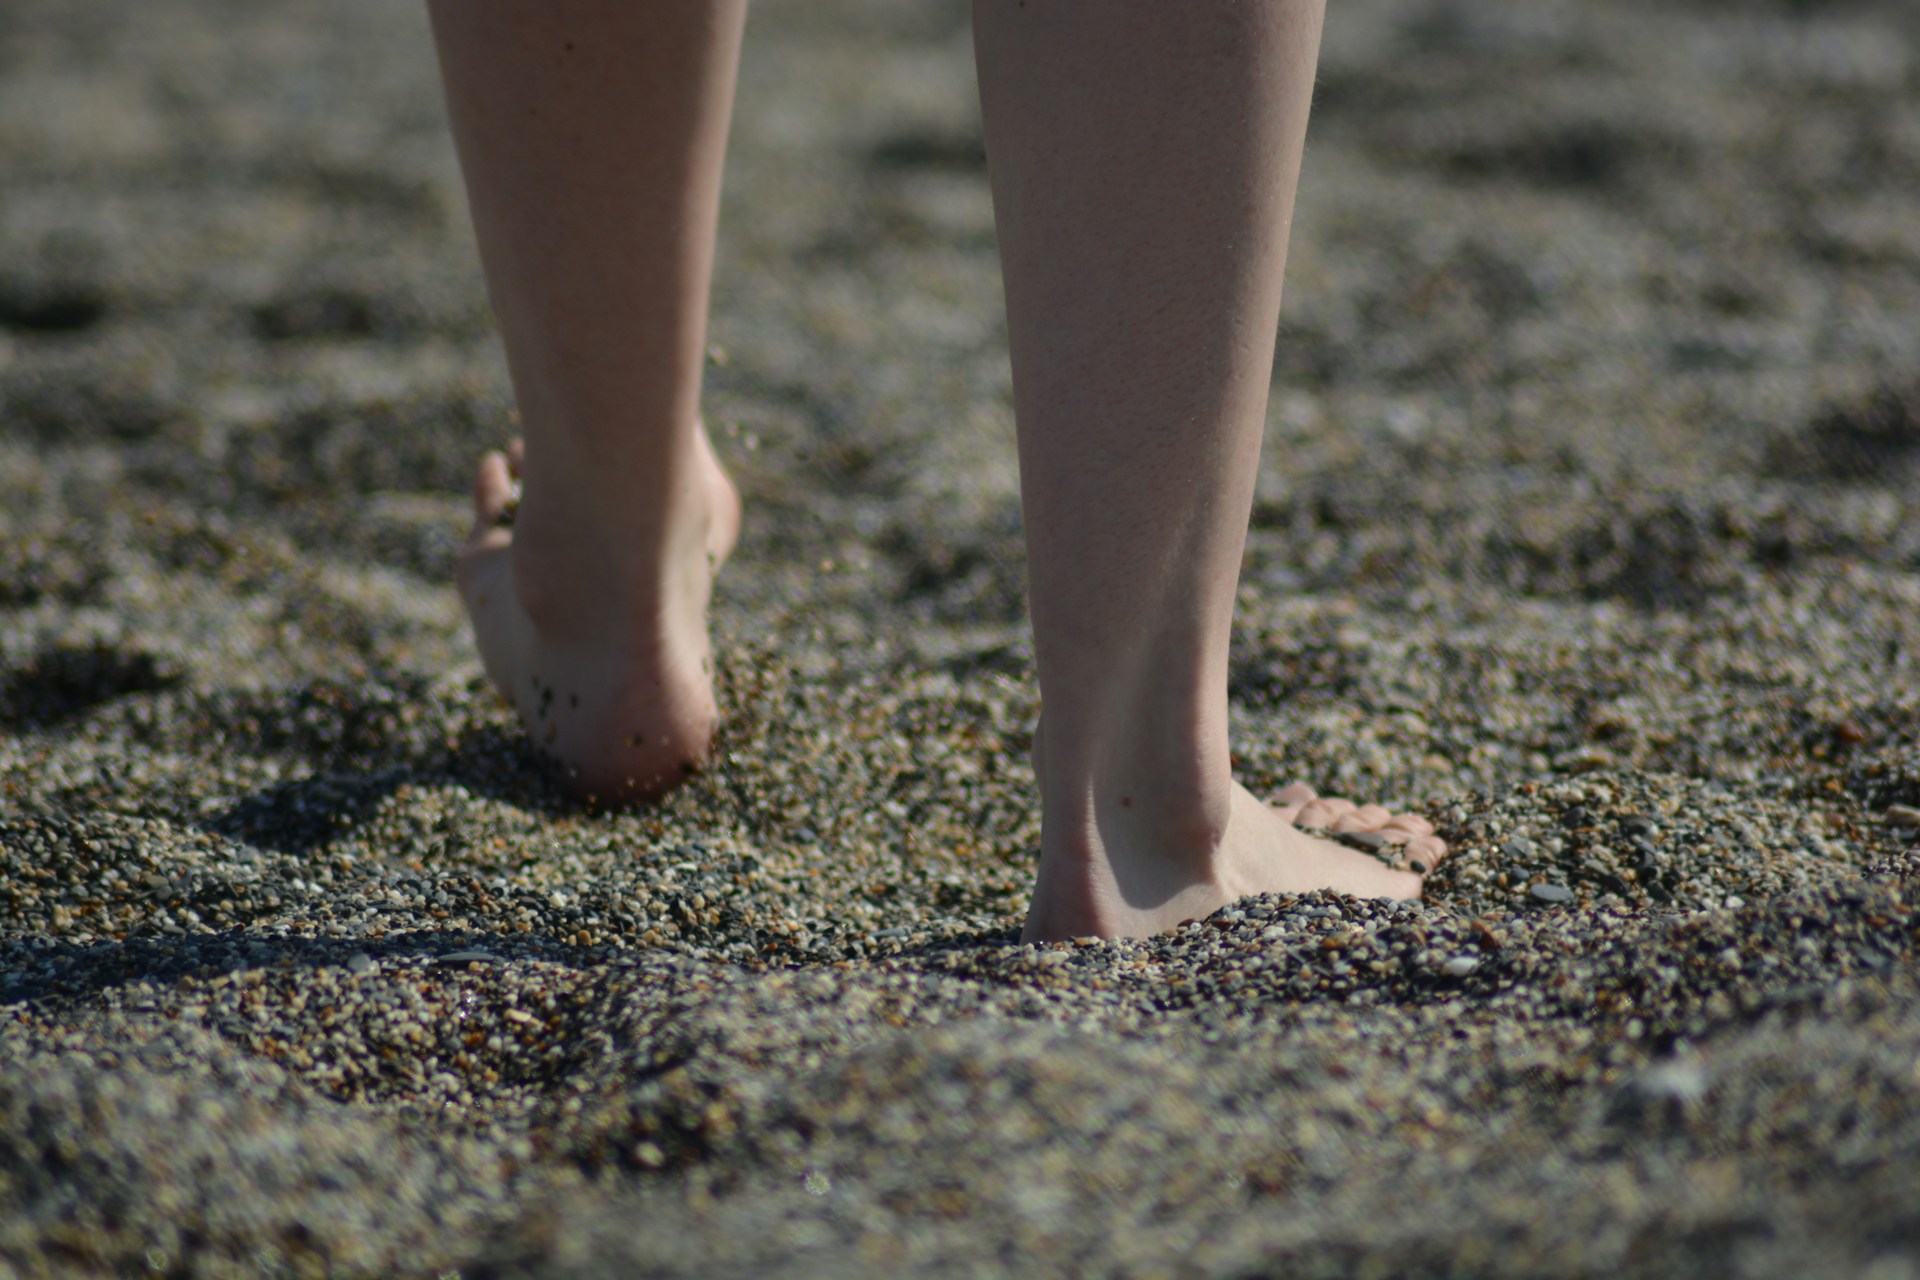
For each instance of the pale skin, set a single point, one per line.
(1143, 159)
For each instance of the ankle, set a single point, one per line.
(1113, 846)
(578, 568)
(1173, 805)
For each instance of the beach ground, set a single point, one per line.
(1589, 524)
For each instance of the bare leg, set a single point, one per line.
(592, 134)
(1144, 157)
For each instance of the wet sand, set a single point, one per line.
(1589, 524)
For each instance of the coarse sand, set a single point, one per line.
(1589, 525)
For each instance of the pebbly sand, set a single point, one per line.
(1590, 525)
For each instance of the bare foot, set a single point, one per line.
(599, 638)
(1112, 883)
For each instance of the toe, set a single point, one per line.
(1375, 816)
(1294, 793)
(1351, 821)
(1314, 814)
(1398, 830)
(1423, 853)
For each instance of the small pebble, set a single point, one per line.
(1550, 893)
(1583, 760)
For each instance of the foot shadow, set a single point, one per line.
(308, 814)
(65, 681)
